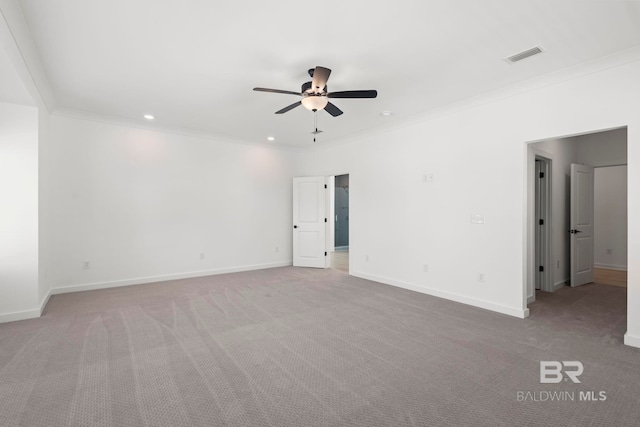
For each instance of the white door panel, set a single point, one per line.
(581, 224)
(308, 202)
(309, 226)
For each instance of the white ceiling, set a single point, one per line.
(193, 63)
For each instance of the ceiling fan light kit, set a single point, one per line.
(314, 102)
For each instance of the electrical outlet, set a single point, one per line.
(201, 255)
(427, 177)
(481, 277)
(425, 268)
(609, 251)
(366, 258)
(86, 265)
(277, 249)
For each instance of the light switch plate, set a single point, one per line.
(477, 218)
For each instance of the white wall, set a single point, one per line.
(610, 217)
(18, 211)
(477, 153)
(141, 205)
(602, 148)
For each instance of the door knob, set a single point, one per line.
(295, 226)
(574, 231)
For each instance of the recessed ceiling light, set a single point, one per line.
(149, 117)
(270, 138)
(386, 113)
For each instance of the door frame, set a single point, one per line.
(335, 213)
(331, 214)
(542, 210)
(531, 153)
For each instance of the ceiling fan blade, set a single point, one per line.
(287, 92)
(353, 94)
(333, 110)
(290, 107)
(320, 77)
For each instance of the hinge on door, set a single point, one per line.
(325, 254)
(325, 186)
(541, 268)
(541, 222)
(325, 220)
(541, 174)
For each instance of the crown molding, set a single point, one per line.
(20, 47)
(595, 66)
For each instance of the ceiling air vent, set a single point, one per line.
(523, 55)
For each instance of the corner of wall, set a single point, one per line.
(631, 340)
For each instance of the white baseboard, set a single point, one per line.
(27, 314)
(631, 340)
(531, 299)
(611, 267)
(45, 301)
(510, 311)
(31, 314)
(20, 315)
(152, 279)
(559, 285)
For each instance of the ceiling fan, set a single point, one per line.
(315, 94)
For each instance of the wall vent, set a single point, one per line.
(523, 55)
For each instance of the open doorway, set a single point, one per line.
(549, 252)
(340, 222)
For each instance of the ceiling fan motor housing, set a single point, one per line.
(306, 88)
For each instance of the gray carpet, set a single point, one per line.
(304, 347)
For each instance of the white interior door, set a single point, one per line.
(309, 222)
(581, 224)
